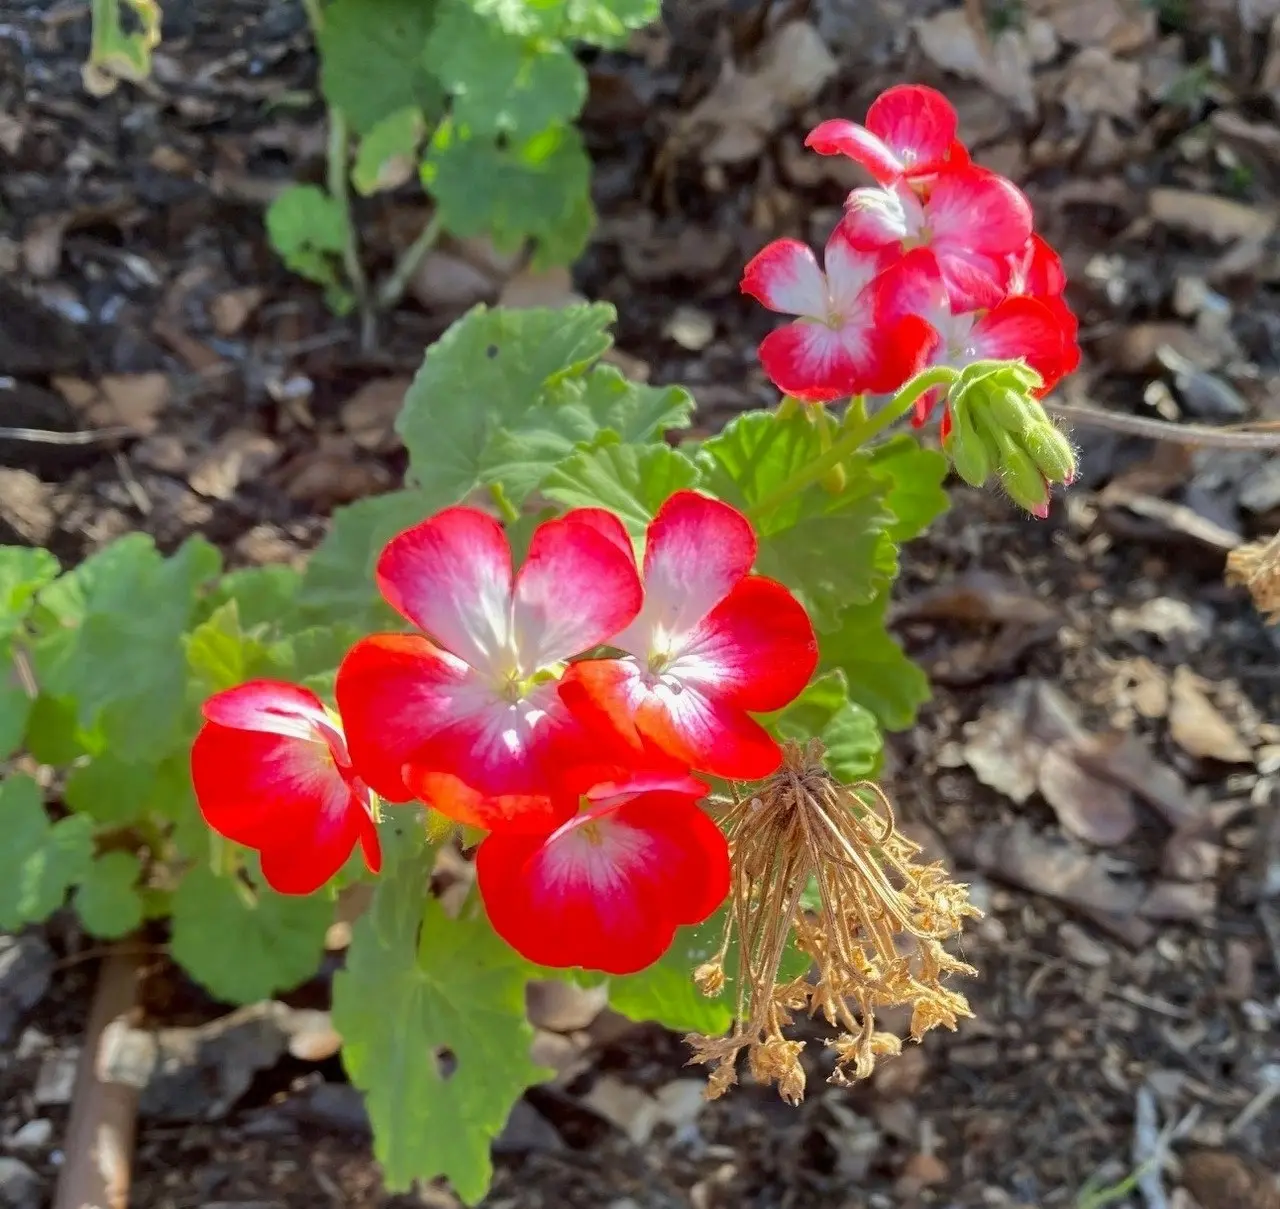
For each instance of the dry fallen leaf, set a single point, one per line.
(561, 1007)
(369, 415)
(1220, 1180)
(1119, 25)
(1197, 726)
(128, 400)
(1257, 567)
(550, 287)
(1002, 64)
(1218, 218)
(231, 310)
(448, 281)
(1032, 740)
(1061, 870)
(237, 456)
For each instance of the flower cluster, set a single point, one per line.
(936, 264)
(564, 708)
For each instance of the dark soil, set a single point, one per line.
(126, 220)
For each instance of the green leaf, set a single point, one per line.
(264, 596)
(23, 572)
(502, 83)
(121, 48)
(110, 639)
(881, 678)
(39, 862)
(110, 790)
(504, 396)
(172, 797)
(15, 704)
(55, 737)
(916, 497)
(665, 992)
(243, 945)
(631, 481)
(221, 656)
(338, 584)
(848, 731)
(371, 59)
(388, 154)
(107, 900)
(312, 655)
(830, 549)
(308, 229)
(537, 188)
(455, 993)
(602, 22)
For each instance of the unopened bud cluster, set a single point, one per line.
(996, 427)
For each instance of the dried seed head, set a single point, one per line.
(1257, 567)
(875, 938)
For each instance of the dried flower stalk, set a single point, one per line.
(876, 937)
(1257, 567)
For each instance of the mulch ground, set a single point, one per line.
(1101, 758)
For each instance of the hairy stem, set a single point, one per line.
(854, 436)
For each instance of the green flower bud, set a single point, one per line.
(968, 450)
(1052, 453)
(1021, 477)
(835, 480)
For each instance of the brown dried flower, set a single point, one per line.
(1257, 567)
(875, 937)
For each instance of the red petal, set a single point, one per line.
(817, 363)
(271, 706)
(875, 218)
(706, 733)
(576, 590)
(757, 649)
(394, 692)
(850, 269)
(1023, 329)
(784, 276)
(451, 576)
(1037, 270)
(916, 123)
(696, 550)
(913, 285)
(495, 762)
(606, 525)
(974, 280)
(607, 890)
(284, 797)
(839, 137)
(971, 209)
(904, 349)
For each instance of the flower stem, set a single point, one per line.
(854, 437)
(397, 281)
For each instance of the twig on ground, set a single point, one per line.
(100, 1134)
(47, 436)
(1203, 435)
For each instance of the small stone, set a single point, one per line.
(1260, 492)
(19, 1185)
(31, 1043)
(34, 1135)
(692, 329)
(56, 1080)
(26, 965)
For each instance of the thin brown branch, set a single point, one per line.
(1204, 436)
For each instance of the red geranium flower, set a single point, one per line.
(468, 718)
(840, 345)
(711, 645)
(271, 772)
(606, 889)
(910, 133)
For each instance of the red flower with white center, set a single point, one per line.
(271, 772)
(910, 133)
(1015, 329)
(468, 719)
(712, 645)
(607, 889)
(972, 221)
(839, 346)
